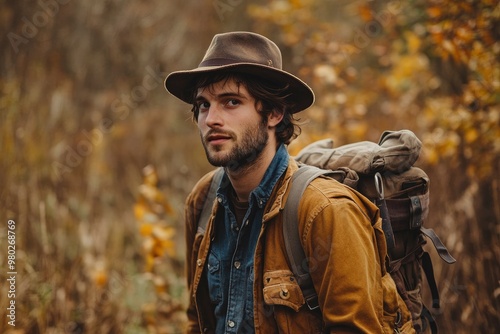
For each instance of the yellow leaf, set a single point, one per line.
(99, 273)
(169, 247)
(431, 156)
(413, 41)
(163, 232)
(139, 211)
(146, 229)
(434, 11)
(365, 12)
(100, 278)
(471, 135)
(149, 263)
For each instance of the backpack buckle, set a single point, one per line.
(312, 302)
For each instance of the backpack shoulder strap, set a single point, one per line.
(295, 253)
(207, 206)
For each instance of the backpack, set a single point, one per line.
(384, 173)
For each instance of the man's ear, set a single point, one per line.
(274, 118)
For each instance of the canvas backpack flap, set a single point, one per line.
(356, 156)
(399, 150)
(351, 178)
(396, 152)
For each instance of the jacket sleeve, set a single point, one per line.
(345, 265)
(191, 228)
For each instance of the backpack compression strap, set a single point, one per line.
(209, 201)
(298, 260)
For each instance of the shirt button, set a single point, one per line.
(230, 323)
(237, 264)
(246, 223)
(198, 262)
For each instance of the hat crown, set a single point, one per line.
(242, 47)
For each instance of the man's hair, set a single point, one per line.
(269, 95)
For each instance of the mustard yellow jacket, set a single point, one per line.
(341, 234)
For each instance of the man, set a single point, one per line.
(238, 273)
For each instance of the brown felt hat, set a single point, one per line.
(242, 52)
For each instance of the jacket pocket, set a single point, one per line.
(281, 288)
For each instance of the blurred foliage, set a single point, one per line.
(155, 217)
(83, 111)
(151, 211)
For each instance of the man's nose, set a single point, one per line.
(214, 115)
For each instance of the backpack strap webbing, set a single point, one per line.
(381, 203)
(295, 252)
(429, 320)
(438, 245)
(429, 275)
(209, 201)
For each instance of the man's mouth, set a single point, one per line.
(217, 139)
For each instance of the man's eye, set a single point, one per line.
(232, 103)
(203, 106)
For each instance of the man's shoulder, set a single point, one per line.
(205, 180)
(324, 191)
(201, 188)
(324, 186)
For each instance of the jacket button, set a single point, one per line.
(198, 262)
(284, 294)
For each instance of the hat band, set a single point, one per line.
(226, 61)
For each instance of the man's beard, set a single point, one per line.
(245, 152)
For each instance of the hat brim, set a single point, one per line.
(300, 96)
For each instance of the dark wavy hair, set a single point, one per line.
(271, 96)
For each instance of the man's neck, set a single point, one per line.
(246, 179)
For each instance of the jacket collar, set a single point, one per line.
(280, 193)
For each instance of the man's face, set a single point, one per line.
(232, 131)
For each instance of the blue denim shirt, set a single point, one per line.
(231, 257)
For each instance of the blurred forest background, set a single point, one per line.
(97, 159)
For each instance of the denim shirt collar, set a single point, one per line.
(260, 195)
